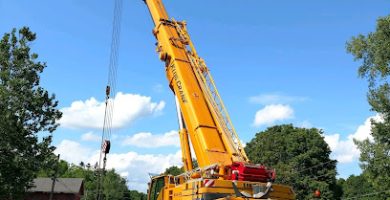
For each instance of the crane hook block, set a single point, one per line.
(106, 146)
(108, 89)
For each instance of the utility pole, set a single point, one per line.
(54, 178)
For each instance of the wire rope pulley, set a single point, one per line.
(106, 146)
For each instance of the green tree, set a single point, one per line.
(25, 110)
(89, 176)
(53, 167)
(195, 163)
(114, 186)
(339, 190)
(373, 50)
(300, 157)
(135, 195)
(357, 187)
(174, 170)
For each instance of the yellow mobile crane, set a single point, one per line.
(224, 170)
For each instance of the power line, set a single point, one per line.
(321, 164)
(324, 163)
(322, 175)
(365, 195)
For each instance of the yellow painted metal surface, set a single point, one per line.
(186, 151)
(196, 189)
(206, 138)
(207, 123)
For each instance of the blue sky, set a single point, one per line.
(274, 62)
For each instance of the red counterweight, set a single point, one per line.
(251, 172)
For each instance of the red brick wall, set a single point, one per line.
(46, 196)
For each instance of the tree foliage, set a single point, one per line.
(300, 157)
(357, 187)
(373, 50)
(135, 195)
(174, 170)
(114, 186)
(25, 109)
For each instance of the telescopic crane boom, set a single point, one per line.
(186, 72)
(224, 169)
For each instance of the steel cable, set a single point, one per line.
(110, 90)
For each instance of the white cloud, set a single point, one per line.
(243, 143)
(332, 141)
(90, 137)
(275, 98)
(134, 166)
(149, 140)
(364, 131)
(345, 151)
(127, 109)
(272, 113)
(73, 152)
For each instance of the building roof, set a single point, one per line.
(62, 185)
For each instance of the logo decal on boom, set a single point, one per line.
(178, 84)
